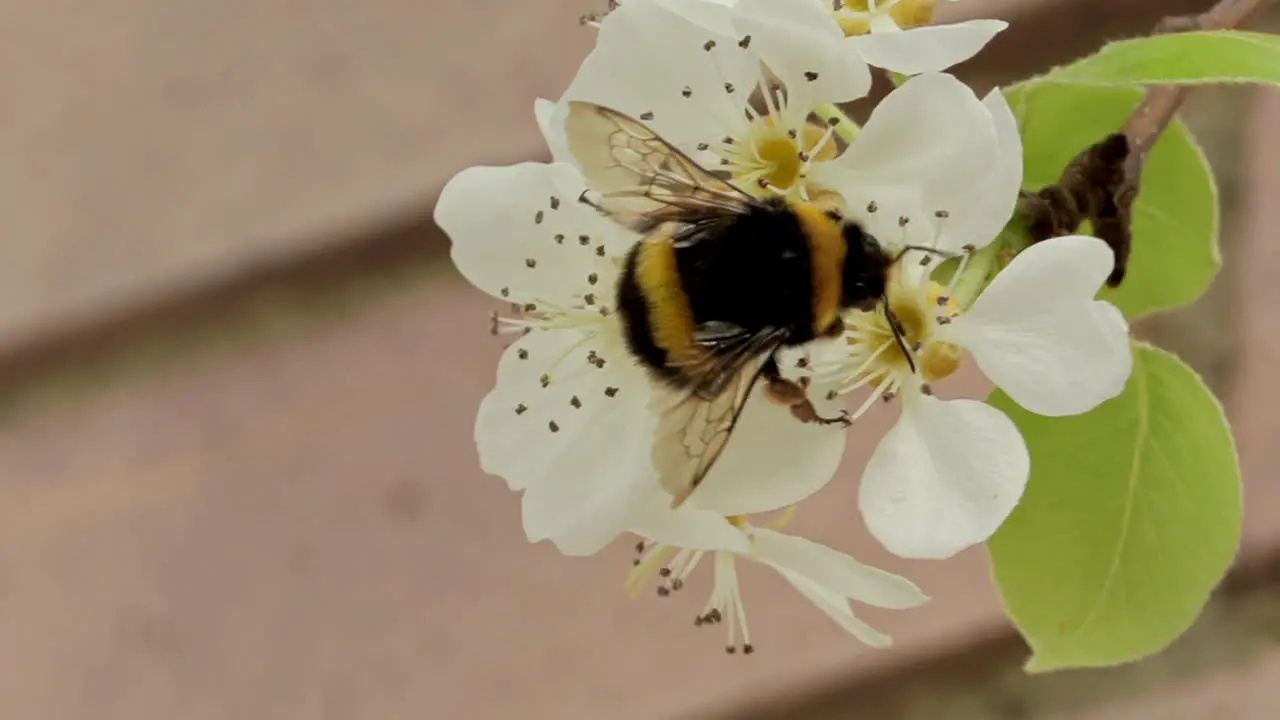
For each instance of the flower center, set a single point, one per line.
(859, 17)
(772, 159)
(878, 359)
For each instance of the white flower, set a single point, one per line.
(688, 68)
(678, 542)
(950, 471)
(569, 422)
(897, 35)
(568, 400)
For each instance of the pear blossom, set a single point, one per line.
(689, 69)
(949, 472)
(677, 542)
(897, 35)
(569, 422)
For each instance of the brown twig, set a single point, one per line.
(1101, 183)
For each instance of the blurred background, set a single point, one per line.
(238, 378)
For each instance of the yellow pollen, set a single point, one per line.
(905, 13)
(737, 521)
(777, 154)
(917, 313)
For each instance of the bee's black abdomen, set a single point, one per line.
(755, 273)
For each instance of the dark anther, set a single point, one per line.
(677, 584)
(944, 320)
(575, 402)
(924, 261)
(943, 300)
(584, 240)
(554, 427)
(748, 648)
(792, 133)
(903, 221)
(763, 182)
(703, 146)
(545, 380)
(833, 121)
(592, 279)
(559, 238)
(698, 620)
(610, 391)
(521, 409)
(804, 381)
(728, 87)
(646, 115)
(727, 140)
(730, 649)
(810, 75)
(724, 161)
(530, 263)
(942, 214)
(744, 42)
(600, 251)
(872, 206)
(709, 45)
(663, 591)
(665, 572)
(505, 292)
(887, 397)
(926, 389)
(687, 91)
(832, 394)
(537, 218)
(522, 354)
(598, 362)
(555, 203)
(589, 298)
(493, 323)
(968, 247)
(802, 362)
(635, 562)
(713, 615)
(640, 546)
(804, 156)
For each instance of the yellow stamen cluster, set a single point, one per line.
(920, 311)
(772, 158)
(854, 20)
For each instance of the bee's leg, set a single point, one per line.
(795, 396)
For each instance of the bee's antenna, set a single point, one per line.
(896, 327)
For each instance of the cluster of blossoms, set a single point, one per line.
(749, 87)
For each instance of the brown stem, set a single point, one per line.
(1101, 183)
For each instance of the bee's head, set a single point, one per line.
(866, 267)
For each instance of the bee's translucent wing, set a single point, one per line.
(695, 423)
(642, 179)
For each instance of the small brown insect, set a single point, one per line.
(1096, 187)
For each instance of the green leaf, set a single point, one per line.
(1218, 56)
(1131, 517)
(1175, 217)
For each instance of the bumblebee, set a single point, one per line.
(719, 283)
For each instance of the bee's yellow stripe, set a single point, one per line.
(670, 314)
(826, 252)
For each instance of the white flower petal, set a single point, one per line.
(773, 460)
(598, 451)
(979, 211)
(932, 133)
(648, 53)
(651, 517)
(943, 478)
(544, 111)
(836, 571)
(836, 607)
(1037, 332)
(931, 48)
(795, 37)
(521, 227)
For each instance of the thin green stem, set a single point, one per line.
(846, 129)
